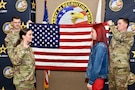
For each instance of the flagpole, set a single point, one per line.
(46, 21)
(99, 9)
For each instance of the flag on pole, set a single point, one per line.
(46, 78)
(46, 21)
(45, 18)
(99, 12)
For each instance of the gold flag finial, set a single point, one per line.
(3, 88)
(72, 0)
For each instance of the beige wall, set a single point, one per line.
(63, 80)
(53, 4)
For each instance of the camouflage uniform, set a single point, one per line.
(22, 60)
(120, 46)
(10, 41)
(24, 68)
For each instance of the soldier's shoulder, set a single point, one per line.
(130, 33)
(8, 31)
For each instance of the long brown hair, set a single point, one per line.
(101, 33)
(22, 32)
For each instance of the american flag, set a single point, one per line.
(45, 35)
(73, 51)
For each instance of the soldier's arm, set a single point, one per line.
(9, 44)
(7, 41)
(17, 55)
(117, 35)
(129, 38)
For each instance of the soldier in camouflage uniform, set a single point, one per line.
(23, 62)
(13, 35)
(120, 46)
